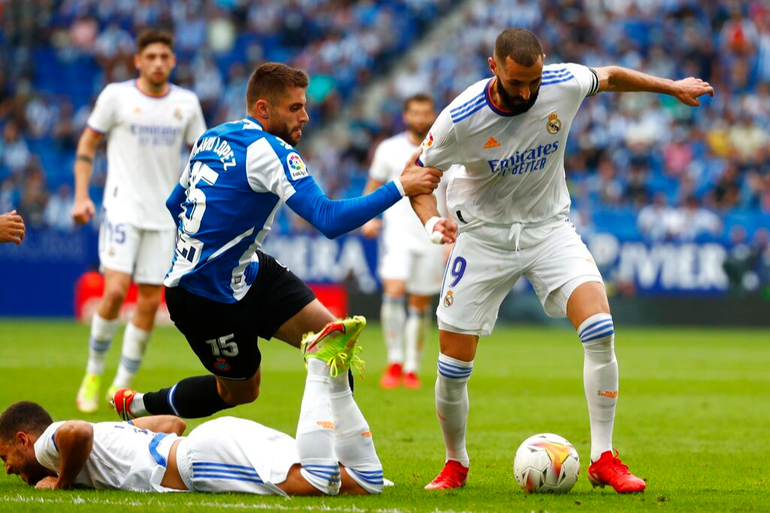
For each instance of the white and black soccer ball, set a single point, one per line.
(546, 463)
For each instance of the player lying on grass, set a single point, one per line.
(333, 452)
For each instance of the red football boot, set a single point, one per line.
(392, 377)
(412, 380)
(609, 470)
(121, 401)
(453, 475)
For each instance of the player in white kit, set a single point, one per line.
(409, 263)
(333, 452)
(147, 122)
(511, 205)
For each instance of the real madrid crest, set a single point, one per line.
(449, 299)
(553, 125)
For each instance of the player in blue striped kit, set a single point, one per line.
(222, 292)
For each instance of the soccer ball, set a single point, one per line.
(546, 463)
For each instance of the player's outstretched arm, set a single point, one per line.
(83, 209)
(335, 217)
(618, 79)
(371, 228)
(161, 424)
(75, 439)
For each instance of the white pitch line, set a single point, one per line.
(208, 504)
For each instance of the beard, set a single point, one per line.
(285, 133)
(511, 103)
(419, 132)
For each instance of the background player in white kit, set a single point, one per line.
(148, 122)
(511, 205)
(409, 263)
(333, 453)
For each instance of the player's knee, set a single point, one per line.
(114, 295)
(148, 303)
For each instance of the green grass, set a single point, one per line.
(692, 419)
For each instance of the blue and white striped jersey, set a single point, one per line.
(237, 177)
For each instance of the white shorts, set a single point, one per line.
(421, 269)
(144, 254)
(229, 454)
(484, 266)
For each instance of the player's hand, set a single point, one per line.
(12, 228)
(688, 90)
(371, 228)
(83, 211)
(446, 229)
(416, 179)
(47, 483)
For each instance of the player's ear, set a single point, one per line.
(136, 61)
(492, 65)
(262, 108)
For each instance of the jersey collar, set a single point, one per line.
(255, 122)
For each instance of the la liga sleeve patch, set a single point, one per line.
(297, 167)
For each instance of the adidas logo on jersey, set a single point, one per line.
(491, 143)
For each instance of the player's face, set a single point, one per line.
(419, 117)
(19, 458)
(288, 115)
(517, 85)
(155, 63)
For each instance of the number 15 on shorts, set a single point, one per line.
(224, 346)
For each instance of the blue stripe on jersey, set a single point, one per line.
(467, 104)
(554, 72)
(475, 109)
(154, 448)
(227, 477)
(228, 466)
(557, 80)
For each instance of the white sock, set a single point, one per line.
(102, 332)
(393, 317)
(134, 345)
(600, 379)
(353, 444)
(413, 334)
(316, 431)
(136, 408)
(452, 405)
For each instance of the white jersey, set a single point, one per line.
(145, 138)
(514, 165)
(123, 457)
(401, 225)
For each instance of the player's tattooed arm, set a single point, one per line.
(84, 209)
(74, 439)
(162, 424)
(618, 79)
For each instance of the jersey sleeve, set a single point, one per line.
(46, 450)
(439, 149)
(586, 78)
(380, 169)
(102, 118)
(197, 124)
(274, 166)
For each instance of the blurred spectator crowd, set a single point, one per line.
(636, 164)
(57, 55)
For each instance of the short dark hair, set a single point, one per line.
(150, 36)
(519, 44)
(418, 98)
(271, 80)
(23, 416)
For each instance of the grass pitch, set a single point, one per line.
(692, 419)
